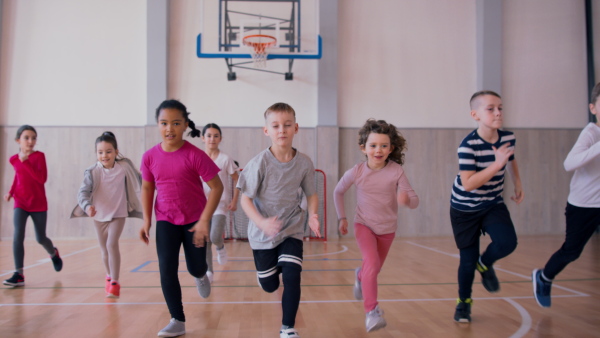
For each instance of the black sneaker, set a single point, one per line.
(57, 261)
(488, 277)
(463, 310)
(16, 280)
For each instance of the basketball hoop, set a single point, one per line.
(260, 43)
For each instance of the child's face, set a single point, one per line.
(27, 141)
(107, 154)
(594, 109)
(212, 138)
(281, 128)
(377, 148)
(172, 125)
(488, 112)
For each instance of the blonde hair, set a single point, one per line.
(280, 107)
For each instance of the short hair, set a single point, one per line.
(280, 107)
(382, 127)
(23, 128)
(482, 93)
(595, 93)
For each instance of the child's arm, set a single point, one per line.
(10, 193)
(84, 197)
(201, 229)
(147, 204)
(312, 202)
(513, 170)
(36, 168)
(270, 226)
(582, 153)
(472, 180)
(406, 195)
(236, 193)
(338, 200)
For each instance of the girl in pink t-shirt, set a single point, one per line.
(30, 201)
(174, 169)
(381, 186)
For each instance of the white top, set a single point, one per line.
(110, 200)
(584, 159)
(228, 168)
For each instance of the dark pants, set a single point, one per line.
(467, 228)
(169, 238)
(39, 224)
(581, 224)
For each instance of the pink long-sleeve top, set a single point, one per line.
(376, 195)
(28, 189)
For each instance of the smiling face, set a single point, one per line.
(172, 126)
(281, 128)
(27, 141)
(487, 111)
(107, 154)
(211, 138)
(377, 148)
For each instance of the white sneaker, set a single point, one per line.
(375, 320)
(222, 256)
(210, 274)
(203, 286)
(357, 286)
(289, 333)
(173, 329)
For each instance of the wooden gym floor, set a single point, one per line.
(417, 292)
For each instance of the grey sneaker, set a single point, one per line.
(375, 320)
(222, 256)
(173, 329)
(357, 286)
(203, 286)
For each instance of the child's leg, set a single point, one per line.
(102, 232)
(209, 257)
(581, 224)
(290, 261)
(499, 226)
(195, 258)
(266, 269)
(466, 227)
(168, 241)
(115, 229)
(466, 270)
(39, 223)
(19, 221)
(217, 228)
(374, 250)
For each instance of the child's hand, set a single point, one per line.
(403, 199)
(518, 197)
(7, 197)
(270, 226)
(145, 233)
(201, 232)
(313, 223)
(343, 226)
(503, 153)
(91, 211)
(23, 157)
(232, 206)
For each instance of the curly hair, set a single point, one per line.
(397, 141)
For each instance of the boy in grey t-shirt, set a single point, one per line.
(269, 186)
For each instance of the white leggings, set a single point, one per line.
(108, 237)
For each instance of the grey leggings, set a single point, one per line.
(108, 237)
(217, 228)
(39, 223)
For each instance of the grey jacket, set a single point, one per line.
(91, 179)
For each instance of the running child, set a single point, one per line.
(583, 204)
(174, 168)
(212, 137)
(477, 206)
(30, 201)
(269, 185)
(109, 193)
(381, 186)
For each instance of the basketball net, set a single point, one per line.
(259, 44)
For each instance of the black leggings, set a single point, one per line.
(290, 300)
(169, 238)
(39, 223)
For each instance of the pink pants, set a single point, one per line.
(374, 249)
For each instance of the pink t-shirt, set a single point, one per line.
(28, 189)
(376, 195)
(180, 198)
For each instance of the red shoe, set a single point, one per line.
(107, 284)
(114, 291)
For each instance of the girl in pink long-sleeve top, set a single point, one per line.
(381, 187)
(29, 195)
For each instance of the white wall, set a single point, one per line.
(73, 63)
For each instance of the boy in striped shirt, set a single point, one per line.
(477, 206)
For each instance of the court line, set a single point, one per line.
(46, 260)
(344, 249)
(525, 319)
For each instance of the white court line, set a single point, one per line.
(344, 249)
(46, 260)
(525, 319)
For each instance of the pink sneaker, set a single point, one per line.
(107, 284)
(114, 291)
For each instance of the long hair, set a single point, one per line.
(397, 141)
(174, 104)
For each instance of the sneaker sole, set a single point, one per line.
(377, 326)
(534, 281)
(14, 284)
(462, 320)
(174, 334)
(110, 295)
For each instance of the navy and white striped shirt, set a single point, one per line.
(476, 154)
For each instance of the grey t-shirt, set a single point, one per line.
(273, 188)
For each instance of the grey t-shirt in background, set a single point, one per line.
(273, 188)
